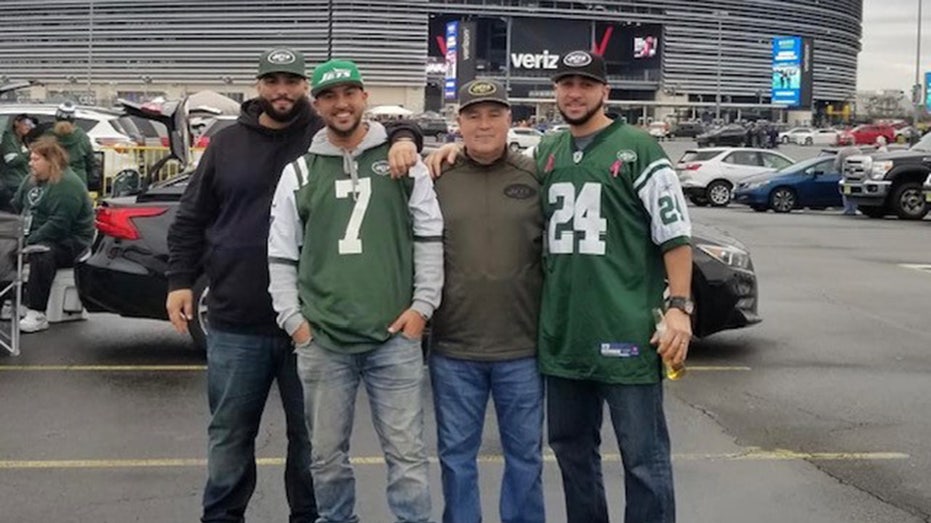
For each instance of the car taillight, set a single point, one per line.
(202, 142)
(117, 221)
(693, 167)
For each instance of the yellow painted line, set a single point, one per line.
(747, 455)
(715, 368)
(104, 368)
(197, 368)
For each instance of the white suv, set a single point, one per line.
(709, 175)
(108, 131)
(523, 137)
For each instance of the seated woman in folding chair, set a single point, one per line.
(59, 215)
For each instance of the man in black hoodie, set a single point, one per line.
(221, 233)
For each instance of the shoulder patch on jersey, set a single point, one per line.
(519, 191)
(627, 156)
(381, 168)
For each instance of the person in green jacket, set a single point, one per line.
(58, 214)
(75, 142)
(14, 158)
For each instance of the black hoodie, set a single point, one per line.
(221, 228)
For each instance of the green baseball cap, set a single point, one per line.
(333, 73)
(282, 60)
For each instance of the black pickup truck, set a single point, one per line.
(889, 182)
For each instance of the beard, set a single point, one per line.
(582, 120)
(268, 107)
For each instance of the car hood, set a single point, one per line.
(901, 155)
(702, 233)
(762, 177)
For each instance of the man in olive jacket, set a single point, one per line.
(484, 338)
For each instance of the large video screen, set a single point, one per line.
(629, 49)
(450, 85)
(787, 70)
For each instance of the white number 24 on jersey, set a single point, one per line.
(583, 212)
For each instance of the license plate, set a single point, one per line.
(847, 189)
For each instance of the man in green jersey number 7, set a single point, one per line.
(356, 269)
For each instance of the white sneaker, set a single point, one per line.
(33, 321)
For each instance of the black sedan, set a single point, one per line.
(124, 271)
(729, 135)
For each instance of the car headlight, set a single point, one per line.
(728, 255)
(756, 185)
(880, 169)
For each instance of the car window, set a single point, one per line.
(826, 166)
(743, 158)
(773, 161)
(85, 123)
(698, 156)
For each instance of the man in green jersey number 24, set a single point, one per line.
(356, 269)
(617, 231)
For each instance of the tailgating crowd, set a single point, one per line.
(44, 171)
(329, 244)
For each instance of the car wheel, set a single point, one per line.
(872, 211)
(759, 208)
(908, 201)
(198, 325)
(809, 141)
(718, 193)
(698, 201)
(782, 199)
(514, 146)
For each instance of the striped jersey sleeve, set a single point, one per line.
(659, 191)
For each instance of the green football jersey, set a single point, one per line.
(356, 264)
(612, 209)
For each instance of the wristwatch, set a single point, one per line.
(682, 303)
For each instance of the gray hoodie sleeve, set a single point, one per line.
(284, 248)
(428, 242)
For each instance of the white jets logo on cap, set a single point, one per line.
(577, 59)
(281, 57)
(336, 74)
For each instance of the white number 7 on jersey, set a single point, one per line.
(351, 243)
(583, 212)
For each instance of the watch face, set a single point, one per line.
(684, 304)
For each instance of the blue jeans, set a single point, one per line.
(240, 372)
(574, 416)
(460, 396)
(393, 377)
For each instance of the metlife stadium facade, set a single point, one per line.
(675, 52)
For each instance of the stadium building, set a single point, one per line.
(689, 56)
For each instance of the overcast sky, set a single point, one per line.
(890, 28)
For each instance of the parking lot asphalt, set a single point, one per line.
(819, 414)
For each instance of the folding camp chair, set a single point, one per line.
(11, 275)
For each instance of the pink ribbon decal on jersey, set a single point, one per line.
(615, 167)
(549, 163)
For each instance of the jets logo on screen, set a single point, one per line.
(577, 59)
(281, 57)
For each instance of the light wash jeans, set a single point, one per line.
(393, 376)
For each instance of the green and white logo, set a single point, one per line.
(627, 156)
(381, 168)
